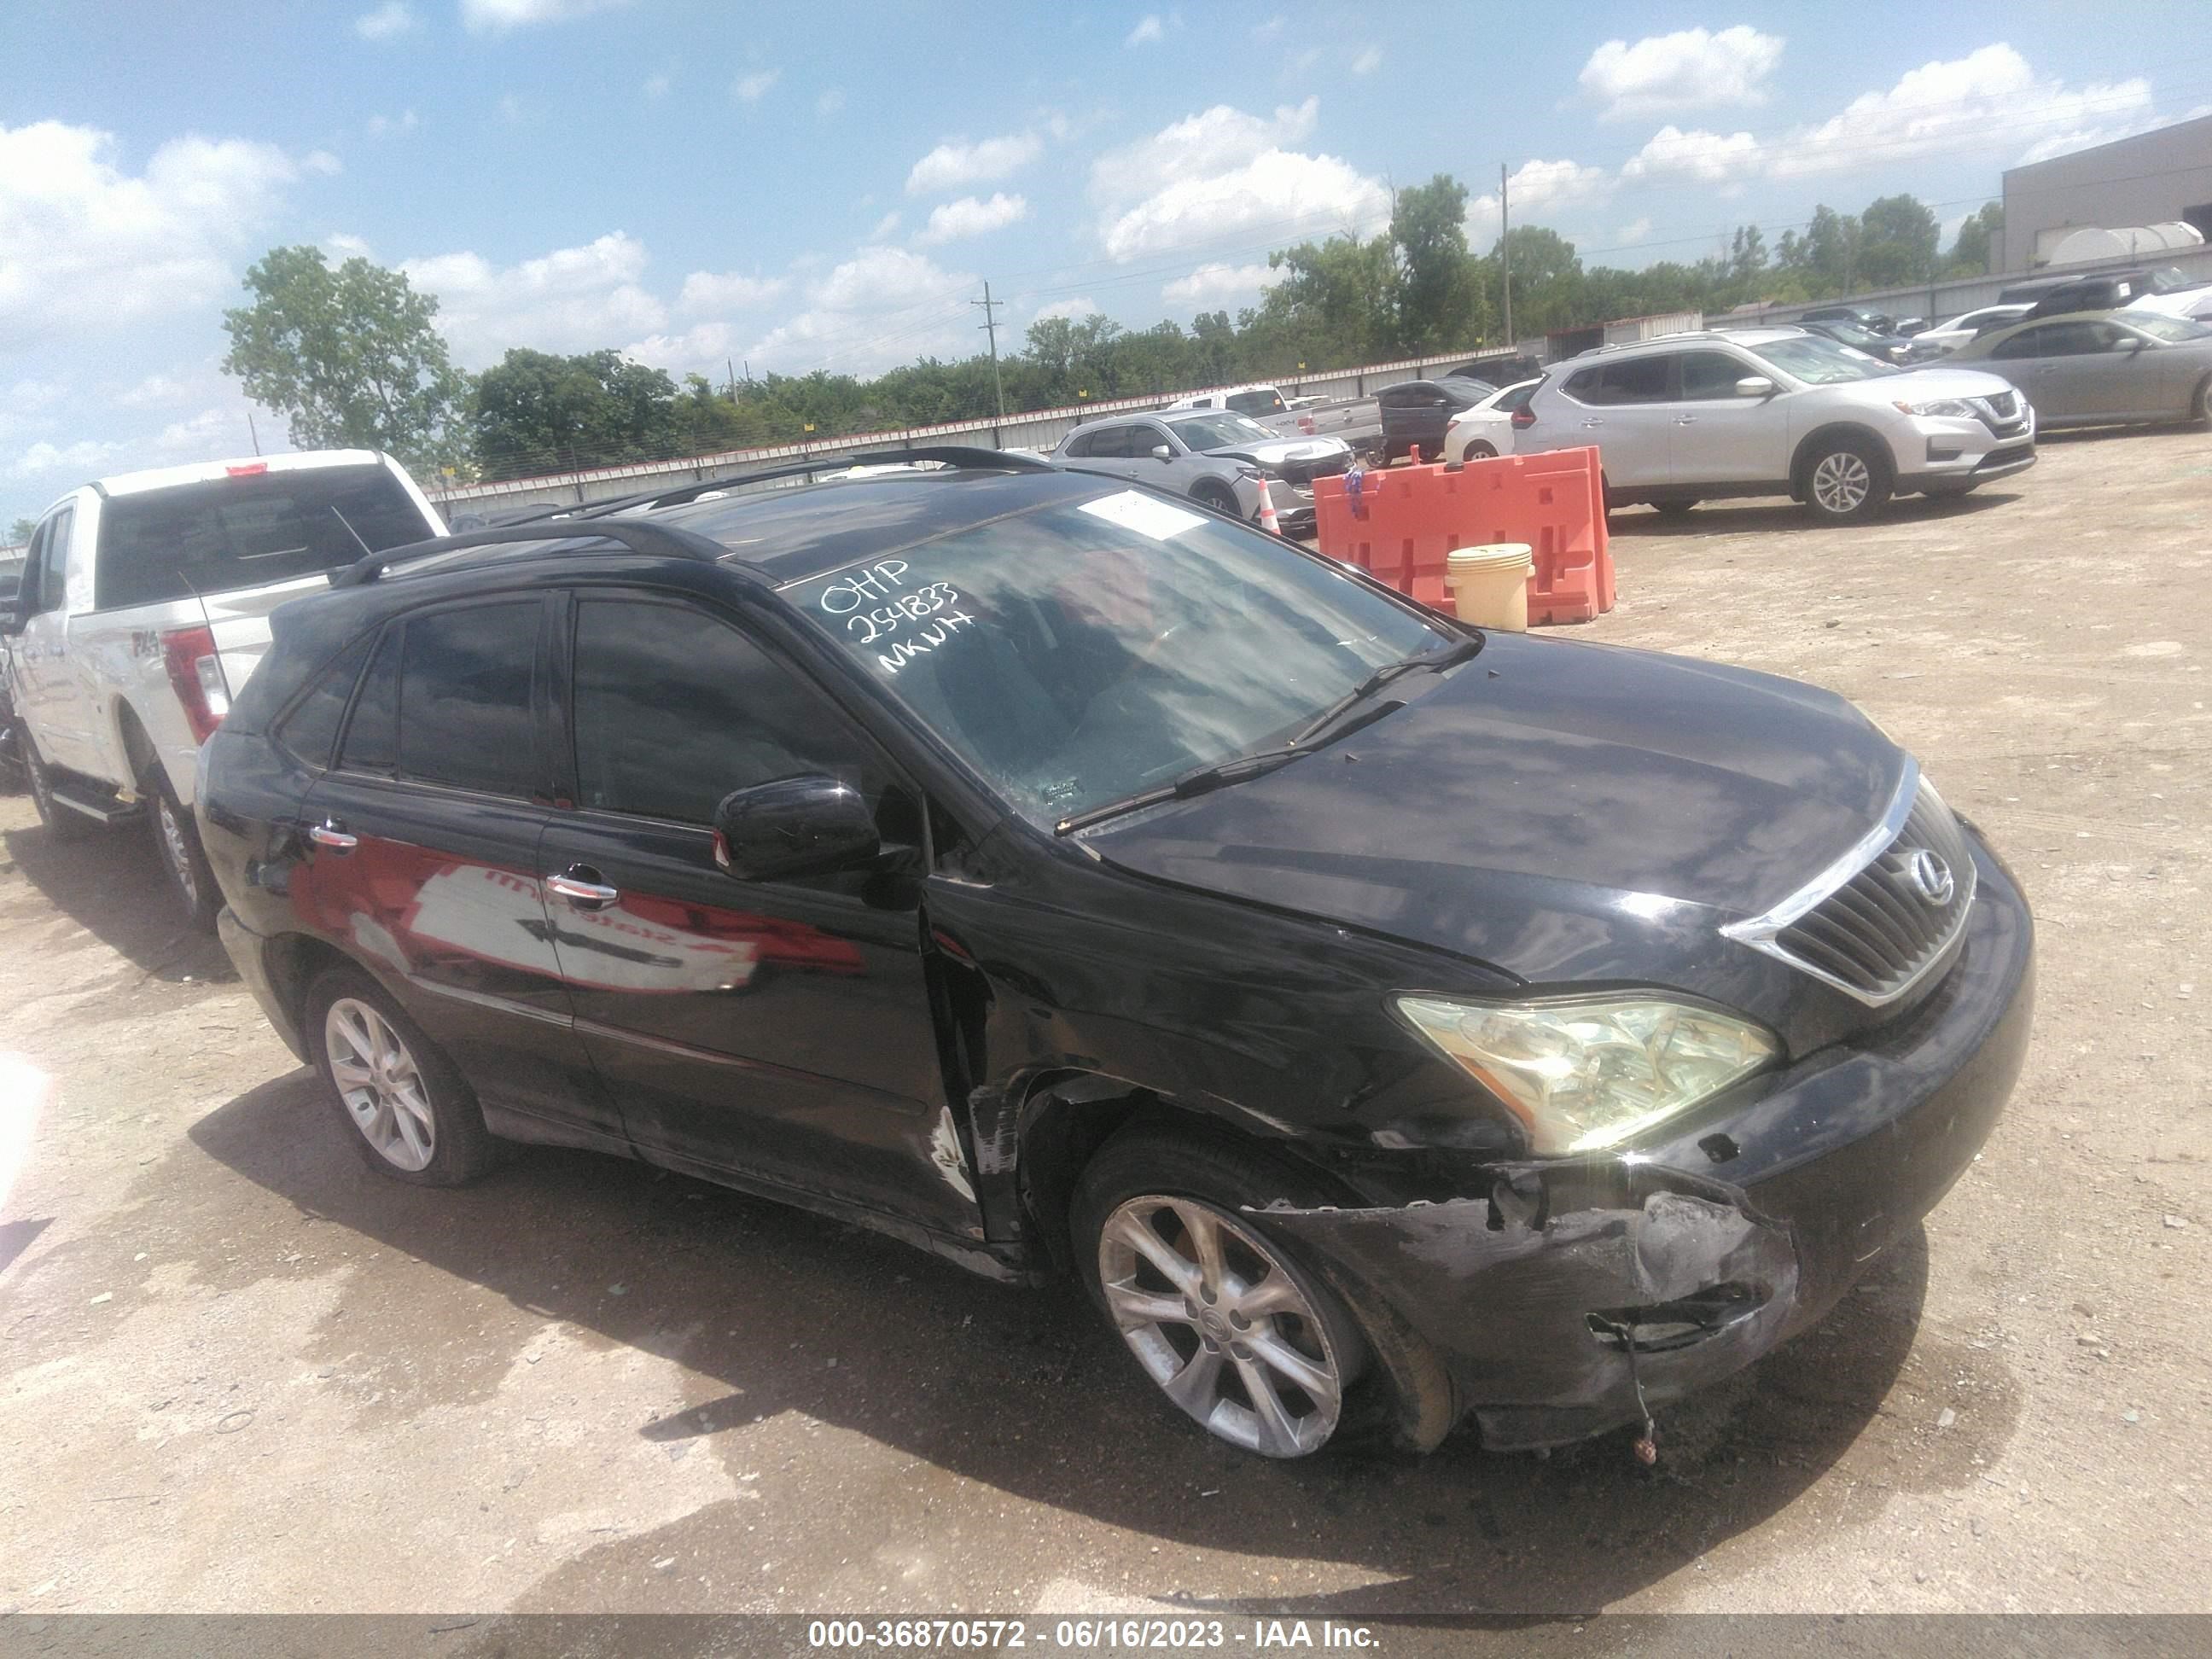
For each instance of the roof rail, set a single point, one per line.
(643, 536)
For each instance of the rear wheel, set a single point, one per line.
(61, 823)
(406, 1110)
(1845, 480)
(1240, 1336)
(1479, 450)
(177, 849)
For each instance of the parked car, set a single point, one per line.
(2111, 290)
(1257, 401)
(1883, 348)
(1222, 461)
(1416, 413)
(2102, 367)
(1947, 336)
(1860, 316)
(1776, 411)
(144, 612)
(1486, 429)
(11, 751)
(1692, 1000)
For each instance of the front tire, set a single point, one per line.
(1479, 450)
(406, 1110)
(1239, 1334)
(1210, 493)
(182, 860)
(60, 822)
(1847, 481)
(2200, 408)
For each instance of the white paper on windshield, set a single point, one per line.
(1143, 513)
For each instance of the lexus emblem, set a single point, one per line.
(1931, 878)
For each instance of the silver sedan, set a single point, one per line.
(2098, 368)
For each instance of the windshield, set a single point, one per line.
(2172, 279)
(1820, 362)
(1077, 654)
(2159, 326)
(1222, 432)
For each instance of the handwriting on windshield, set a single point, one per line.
(927, 614)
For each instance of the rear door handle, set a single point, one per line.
(580, 885)
(331, 834)
(1686, 420)
(1588, 423)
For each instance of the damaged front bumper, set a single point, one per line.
(1576, 1297)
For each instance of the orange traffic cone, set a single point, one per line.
(1268, 521)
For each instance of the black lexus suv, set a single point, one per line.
(1388, 1022)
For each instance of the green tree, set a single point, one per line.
(1747, 254)
(1970, 254)
(1337, 305)
(532, 411)
(20, 531)
(1439, 300)
(1897, 238)
(352, 356)
(1547, 281)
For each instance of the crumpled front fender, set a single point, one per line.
(1552, 1299)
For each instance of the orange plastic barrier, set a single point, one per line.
(1416, 515)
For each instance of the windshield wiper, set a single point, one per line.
(1242, 767)
(1450, 657)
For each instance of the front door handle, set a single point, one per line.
(1688, 420)
(331, 834)
(1590, 423)
(580, 885)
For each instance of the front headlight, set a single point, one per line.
(1588, 1074)
(1941, 406)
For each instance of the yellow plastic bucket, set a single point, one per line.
(1490, 585)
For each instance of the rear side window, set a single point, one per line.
(372, 736)
(1256, 403)
(1638, 380)
(232, 533)
(311, 730)
(1110, 443)
(467, 698)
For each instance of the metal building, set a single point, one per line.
(2164, 174)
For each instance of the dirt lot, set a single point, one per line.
(242, 1372)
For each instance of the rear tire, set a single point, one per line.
(61, 824)
(1479, 450)
(1241, 1335)
(177, 850)
(1846, 480)
(405, 1108)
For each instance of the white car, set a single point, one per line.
(1946, 338)
(1486, 429)
(144, 609)
(1776, 411)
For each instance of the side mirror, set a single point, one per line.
(1161, 452)
(1754, 385)
(801, 826)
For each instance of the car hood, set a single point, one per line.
(1275, 453)
(1558, 810)
(1925, 385)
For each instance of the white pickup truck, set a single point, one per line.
(145, 608)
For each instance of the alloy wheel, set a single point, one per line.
(380, 1084)
(1841, 481)
(1215, 1317)
(176, 850)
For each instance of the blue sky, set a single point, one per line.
(803, 187)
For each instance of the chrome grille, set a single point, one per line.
(1886, 914)
(2001, 413)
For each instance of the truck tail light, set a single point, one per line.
(196, 676)
(1524, 418)
(1306, 424)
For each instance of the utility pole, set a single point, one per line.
(1504, 255)
(991, 327)
(732, 367)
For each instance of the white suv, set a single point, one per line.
(1776, 411)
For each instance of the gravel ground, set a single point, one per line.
(241, 1372)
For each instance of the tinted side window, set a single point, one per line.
(2028, 342)
(675, 709)
(311, 730)
(1711, 374)
(372, 736)
(1143, 440)
(465, 698)
(1080, 444)
(1639, 380)
(1582, 385)
(1110, 443)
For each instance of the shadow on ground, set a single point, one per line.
(1731, 518)
(1024, 1392)
(107, 884)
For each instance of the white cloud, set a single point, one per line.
(1368, 61)
(710, 290)
(1691, 69)
(1633, 231)
(1213, 140)
(394, 17)
(882, 307)
(574, 299)
(1070, 309)
(83, 458)
(155, 391)
(752, 88)
(381, 126)
(956, 162)
(1534, 189)
(344, 246)
(970, 216)
(885, 226)
(499, 16)
(828, 101)
(84, 244)
(203, 433)
(1707, 158)
(1148, 32)
(1989, 102)
(1268, 30)
(1215, 283)
(657, 86)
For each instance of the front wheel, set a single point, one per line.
(1479, 450)
(61, 823)
(1209, 493)
(1238, 1335)
(1846, 480)
(2200, 408)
